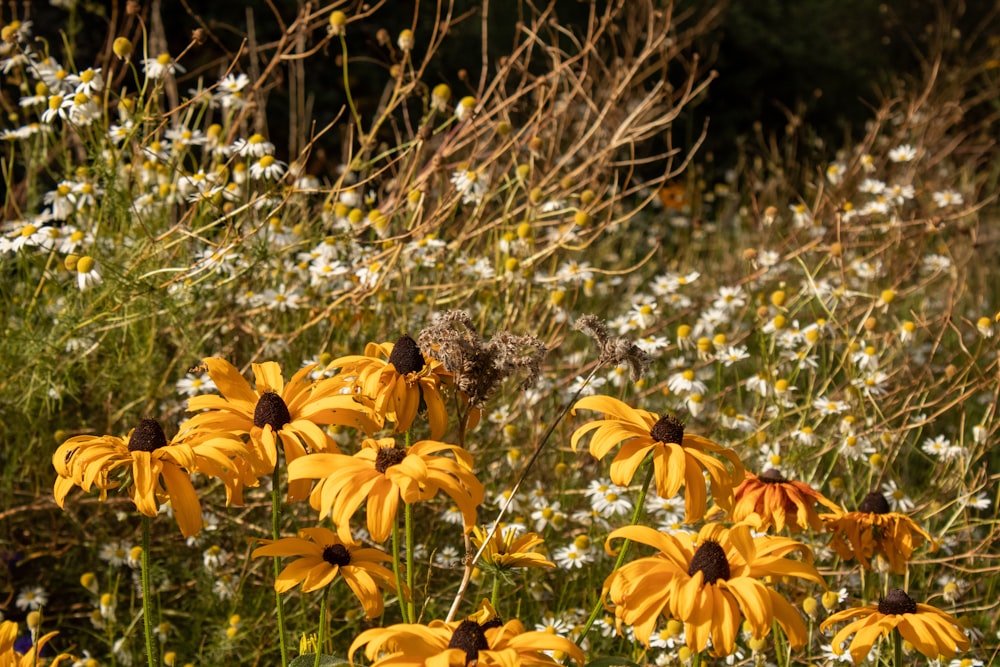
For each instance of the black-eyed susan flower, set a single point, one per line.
(779, 502)
(394, 378)
(274, 412)
(931, 631)
(11, 656)
(679, 458)
(381, 475)
(322, 556)
(153, 468)
(507, 549)
(872, 530)
(481, 640)
(710, 582)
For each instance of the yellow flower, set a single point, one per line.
(931, 631)
(322, 556)
(678, 457)
(382, 474)
(11, 657)
(394, 379)
(481, 640)
(709, 581)
(873, 529)
(141, 460)
(291, 413)
(507, 550)
(779, 502)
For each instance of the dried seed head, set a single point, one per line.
(897, 602)
(711, 559)
(406, 357)
(668, 429)
(271, 409)
(147, 436)
(618, 350)
(480, 366)
(875, 503)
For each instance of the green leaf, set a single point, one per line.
(309, 659)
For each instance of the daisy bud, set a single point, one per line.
(523, 171)
(440, 96)
(89, 581)
(809, 606)
(587, 197)
(582, 219)
(122, 48)
(831, 599)
(405, 40)
(338, 21)
(778, 298)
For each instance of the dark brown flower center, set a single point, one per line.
(897, 602)
(470, 637)
(337, 554)
(271, 409)
(771, 476)
(406, 357)
(388, 457)
(147, 436)
(668, 429)
(711, 559)
(874, 503)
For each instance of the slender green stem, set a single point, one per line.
(321, 633)
(897, 648)
(636, 513)
(410, 549)
(347, 89)
(276, 534)
(400, 588)
(495, 594)
(152, 655)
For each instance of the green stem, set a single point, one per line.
(636, 513)
(897, 648)
(152, 656)
(347, 90)
(408, 514)
(321, 634)
(403, 606)
(276, 534)
(495, 594)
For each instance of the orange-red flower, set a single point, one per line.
(872, 530)
(779, 502)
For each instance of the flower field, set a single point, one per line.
(515, 379)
